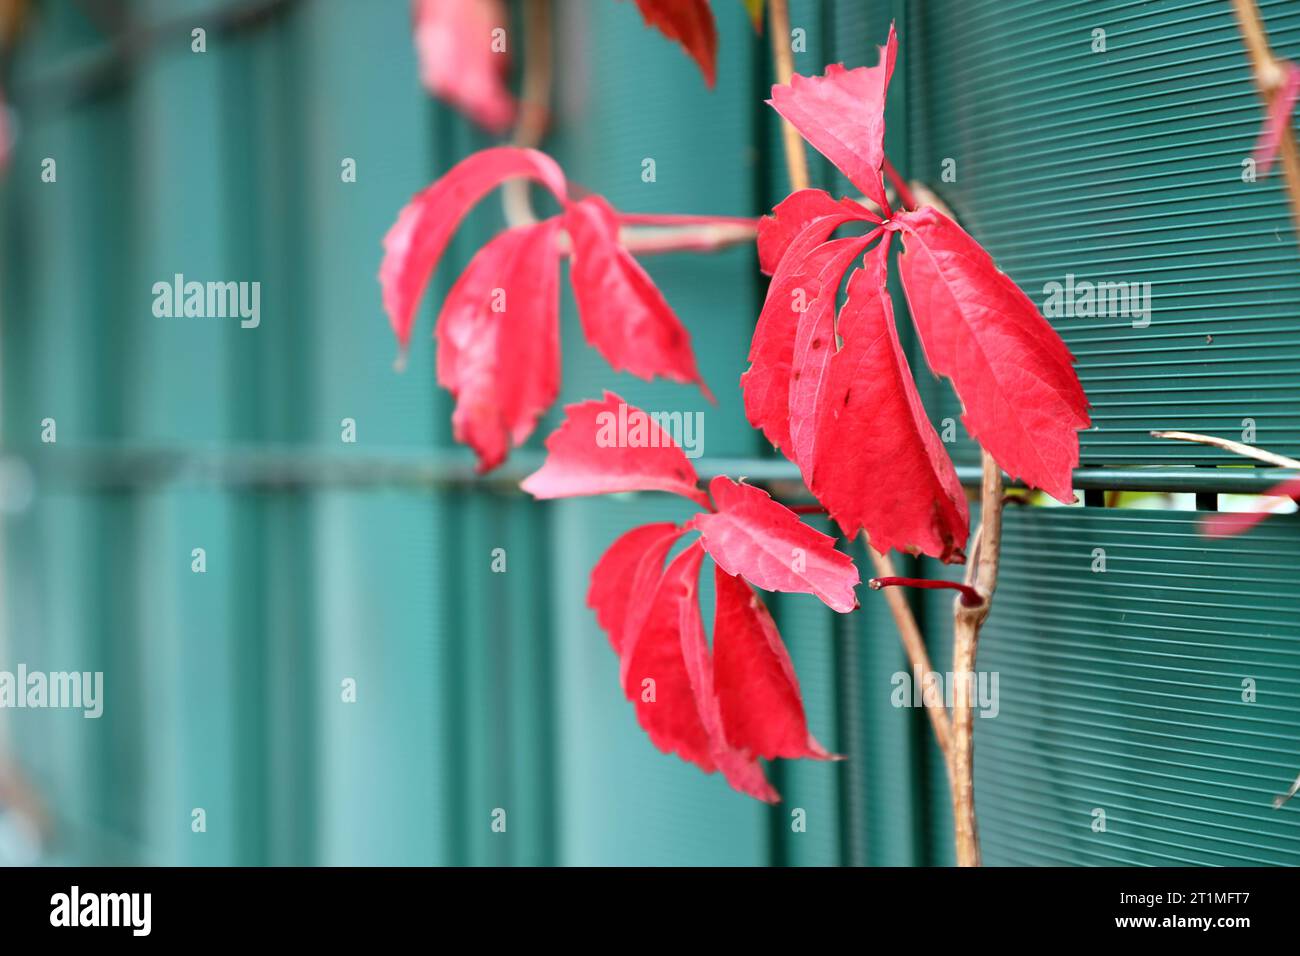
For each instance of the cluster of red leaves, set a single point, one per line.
(721, 708)
(850, 417)
(464, 60)
(836, 394)
(499, 330)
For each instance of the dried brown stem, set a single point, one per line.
(1236, 447)
(1282, 798)
(1268, 79)
(796, 160)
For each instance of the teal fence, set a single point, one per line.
(1120, 691)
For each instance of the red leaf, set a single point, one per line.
(682, 716)
(690, 23)
(624, 316)
(457, 63)
(792, 215)
(499, 341)
(1280, 107)
(879, 463)
(610, 446)
(842, 114)
(630, 568)
(1015, 377)
(1225, 524)
(814, 344)
(765, 542)
(809, 263)
(425, 225)
(762, 709)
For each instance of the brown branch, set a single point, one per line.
(1236, 447)
(796, 160)
(982, 575)
(534, 116)
(1269, 78)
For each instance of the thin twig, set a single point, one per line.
(701, 235)
(914, 645)
(534, 105)
(1236, 447)
(1281, 799)
(796, 160)
(1269, 78)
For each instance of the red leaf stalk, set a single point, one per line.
(969, 596)
(905, 197)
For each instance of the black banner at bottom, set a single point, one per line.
(336, 905)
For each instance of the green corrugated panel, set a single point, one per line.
(182, 654)
(1122, 691)
(522, 529)
(353, 65)
(264, 122)
(282, 732)
(812, 635)
(1123, 166)
(621, 801)
(383, 763)
(65, 599)
(480, 672)
(386, 774)
(501, 684)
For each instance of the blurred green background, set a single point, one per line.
(372, 561)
